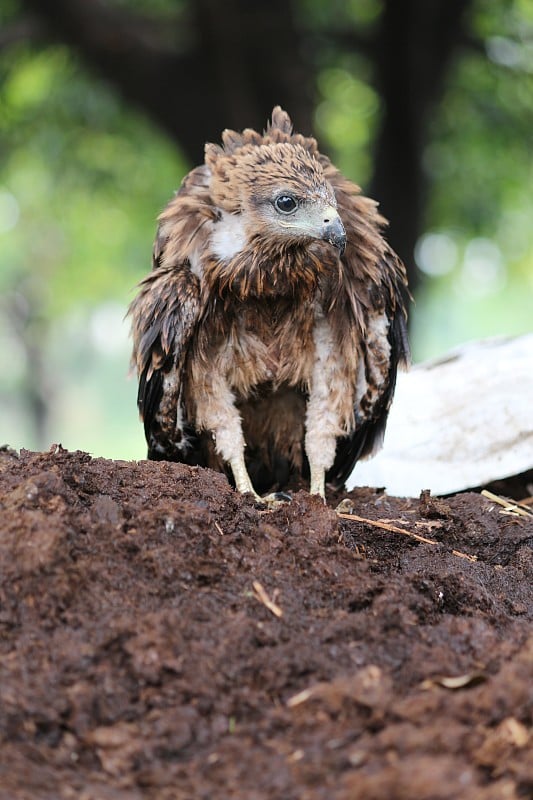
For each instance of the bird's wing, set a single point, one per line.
(374, 287)
(379, 355)
(164, 316)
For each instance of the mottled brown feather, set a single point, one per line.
(250, 316)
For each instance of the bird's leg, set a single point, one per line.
(327, 407)
(241, 477)
(216, 412)
(244, 485)
(318, 480)
(320, 449)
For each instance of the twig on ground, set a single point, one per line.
(376, 523)
(301, 697)
(263, 597)
(509, 506)
(464, 555)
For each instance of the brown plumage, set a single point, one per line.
(268, 334)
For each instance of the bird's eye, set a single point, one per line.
(285, 203)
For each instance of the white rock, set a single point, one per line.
(460, 421)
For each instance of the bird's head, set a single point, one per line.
(279, 192)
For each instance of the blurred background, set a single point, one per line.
(106, 104)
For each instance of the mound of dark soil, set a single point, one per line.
(161, 637)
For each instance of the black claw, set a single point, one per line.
(283, 497)
(274, 499)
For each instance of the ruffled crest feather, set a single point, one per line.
(280, 121)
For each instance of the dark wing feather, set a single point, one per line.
(374, 286)
(164, 316)
(370, 429)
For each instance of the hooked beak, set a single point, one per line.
(334, 233)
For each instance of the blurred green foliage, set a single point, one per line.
(83, 176)
(82, 180)
(477, 249)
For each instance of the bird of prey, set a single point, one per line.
(268, 334)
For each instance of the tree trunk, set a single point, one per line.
(413, 48)
(240, 59)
